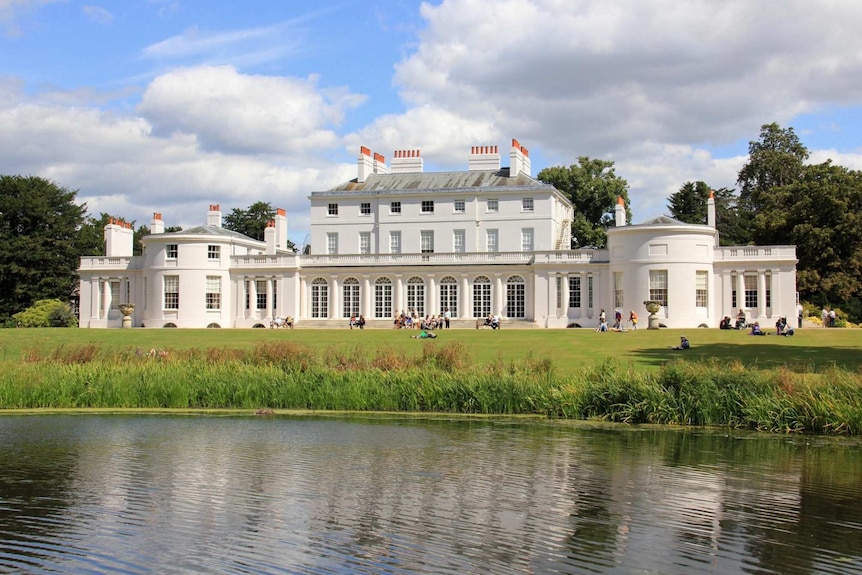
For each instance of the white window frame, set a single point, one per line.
(332, 243)
(493, 205)
(350, 298)
(516, 297)
(213, 252)
(701, 289)
(394, 207)
(172, 292)
(481, 296)
(172, 251)
(212, 299)
(427, 207)
(658, 287)
(395, 242)
(619, 295)
(527, 236)
(426, 241)
(364, 242)
(492, 240)
(460, 206)
(365, 209)
(527, 205)
(319, 298)
(459, 240)
(332, 210)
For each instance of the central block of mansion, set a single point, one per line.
(485, 240)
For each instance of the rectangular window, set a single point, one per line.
(527, 239)
(559, 290)
(575, 291)
(492, 240)
(750, 290)
(115, 295)
(427, 206)
(701, 288)
(365, 208)
(427, 241)
(332, 209)
(493, 205)
(619, 302)
(460, 206)
(332, 243)
(172, 292)
(526, 204)
(768, 295)
(171, 251)
(458, 240)
(590, 291)
(260, 285)
(658, 286)
(733, 303)
(364, 242)
(394, 242)
(213, 295)
(395, 207)
(213, 252)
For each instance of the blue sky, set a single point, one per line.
(168, 106)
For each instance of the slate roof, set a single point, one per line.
(422, 182)
(207, 230)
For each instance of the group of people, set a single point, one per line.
(357, 321)
(618, 321)
(781, 328)
(492, 321)
(429, 322)
(828, 316)
(278, 322)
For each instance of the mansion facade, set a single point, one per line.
(485, 240)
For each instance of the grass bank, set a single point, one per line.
(442, 377)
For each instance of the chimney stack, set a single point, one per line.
(366, 164)
(269, 236)
(157, 226)
(710, 214)
(214, 216)
(380, 164)
(406, 161)
(519, 160)
(620, 213)
(484, 158)
(119, 239)
(280, 229)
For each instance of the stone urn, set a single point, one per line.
(127, 309)
(652, 307)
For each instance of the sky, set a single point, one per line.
(169, 106)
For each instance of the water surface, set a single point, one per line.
(320, 495)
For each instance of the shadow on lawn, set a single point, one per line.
(767, 355)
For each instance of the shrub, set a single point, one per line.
(46, 313)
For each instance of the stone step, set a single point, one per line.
(388, 324)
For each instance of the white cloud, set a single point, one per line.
(97, 14)
(235, 112)
(10, 10)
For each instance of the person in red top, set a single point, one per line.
(633, 318)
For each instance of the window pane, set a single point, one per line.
(658, 286)
(701, 293)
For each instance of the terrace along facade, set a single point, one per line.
(489, 239)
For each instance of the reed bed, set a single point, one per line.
(444, 378)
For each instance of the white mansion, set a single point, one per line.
(486, 240)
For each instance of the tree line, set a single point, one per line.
(780, 200)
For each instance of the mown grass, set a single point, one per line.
(441, 376)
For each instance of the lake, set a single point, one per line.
(384, 495)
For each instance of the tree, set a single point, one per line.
(593, 188)
(776, 159)
(689, 205)
(822, 215)
(40, 247)
(252, 222)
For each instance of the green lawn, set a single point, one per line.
(809, 350)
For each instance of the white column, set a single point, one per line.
(269, 308)
(106, 298)
(95, 284)
(464, 300)
(365, 307)
(565, 281)
(334, 297)
(433, 296)
(398, 295)
(740, 289)
(498, 295)
(240, 302)
(304, 310)
(761, 293)
(252, 297)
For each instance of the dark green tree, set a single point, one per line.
(689, 205)
(40, 246)
(252, 221)
(821, 213)
(775, 160)
(593, 187)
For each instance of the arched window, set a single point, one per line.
(416, 296)
(350, 302)
(449, 295)
(319, 298)
(481, 296)
(516, 297)
(213, 326)
(383, 298)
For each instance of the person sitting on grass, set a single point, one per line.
(755, 329)
(725, 323)
(683, 343)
